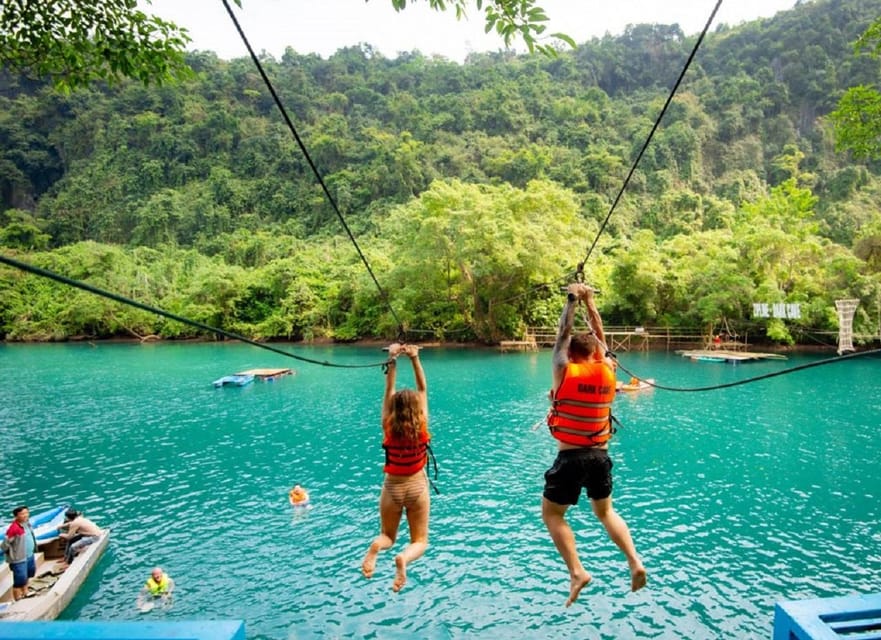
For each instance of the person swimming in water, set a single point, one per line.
(158, 588)
(298, 496)
(405, 490)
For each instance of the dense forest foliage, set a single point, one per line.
(473, 189)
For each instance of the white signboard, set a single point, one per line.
(783, 310)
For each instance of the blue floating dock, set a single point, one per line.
(856, 617)
(238, 380)
(215, 630)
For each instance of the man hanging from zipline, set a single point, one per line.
(580, 419)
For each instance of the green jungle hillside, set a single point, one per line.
(473, 190)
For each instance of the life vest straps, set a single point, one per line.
(406, 458)
(405, 454)
(433, 461)
(610, 430)
(578, 418)
(614, 424)
(582, 434)
(589, 439)
(581, 403)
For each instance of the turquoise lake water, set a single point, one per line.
(736, 498)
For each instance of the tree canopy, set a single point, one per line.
(511, 19)
(473, 189)
(76, 42)
(857, 119)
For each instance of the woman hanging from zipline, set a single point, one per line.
(405, 440)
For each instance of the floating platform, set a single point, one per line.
(518, 345)
(857, 617)
(237, 380)
(733, 357)
(267, 375)
(214, 630)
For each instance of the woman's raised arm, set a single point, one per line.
(394, 351)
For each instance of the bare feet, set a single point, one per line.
(368, 565)
(400, 573)
(576, 584)
(637, 578)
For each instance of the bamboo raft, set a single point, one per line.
(267, 374)
(733, 357)
(518, 345)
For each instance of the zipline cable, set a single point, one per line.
(580, 269)
(45, 273)
(330, 198)
(725, 385)
(736, 383)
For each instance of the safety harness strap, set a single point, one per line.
(577, 418)
(582, 403)
(580, 433)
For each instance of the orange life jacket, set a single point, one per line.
(404, 457)
(581, 410)
(298, 496)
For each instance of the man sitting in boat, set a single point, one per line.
(81, 532)
(158, 585)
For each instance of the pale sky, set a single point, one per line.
(323, 26)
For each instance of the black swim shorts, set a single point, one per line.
(573, 469)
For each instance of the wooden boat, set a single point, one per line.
(237, 380)
(639, 385)
(51, 590)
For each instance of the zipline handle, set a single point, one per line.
(405, 344)
(565, 289)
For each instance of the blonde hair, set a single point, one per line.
(407, 419)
